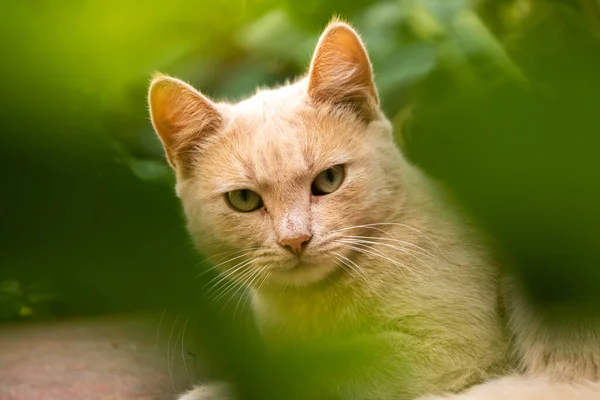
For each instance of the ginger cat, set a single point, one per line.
(334, 231)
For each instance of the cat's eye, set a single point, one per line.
(244, 200)
(328, 181)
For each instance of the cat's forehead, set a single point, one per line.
(277, 137)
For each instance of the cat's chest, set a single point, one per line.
(298, 318)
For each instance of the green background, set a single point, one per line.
(498, 100)
(504, 100)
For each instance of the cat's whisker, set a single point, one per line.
(160, 321)
(258, 276)
(224, 275)
(226, 253)
(243, 299)
(222, 254)
(400, 249)
(246, 253)
(345, 263)
(418, 275)
(187, 244)
(352, 265)
(369, 251)
(420, 250)
(218, 290)
(385, 242)
(182, 345)
(287, 285)
(259, 287)
(376, 224)
(219, 276)
(173, 356)
(234, 282)
(245, 283)
(368, 226)
(412, 228)
(347, 228)
(265, 281)
(368, 278)
(231, 285)
(417, 249)
(338, 262)
(374, 290)
(169, 365)
(431, 267)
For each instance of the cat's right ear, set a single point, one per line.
(181, 117)
(340, 71)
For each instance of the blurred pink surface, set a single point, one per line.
(88, 359)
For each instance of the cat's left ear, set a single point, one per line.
(341, 73)
(182, 117)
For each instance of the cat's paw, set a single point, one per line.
(523, 388)
(215, 391)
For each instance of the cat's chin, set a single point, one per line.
(301, 274)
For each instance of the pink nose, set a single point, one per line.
(295, 244)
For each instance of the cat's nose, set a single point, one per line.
(295, 244)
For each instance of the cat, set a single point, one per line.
(334, 231)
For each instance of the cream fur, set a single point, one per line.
(420, 284)
(516, 387)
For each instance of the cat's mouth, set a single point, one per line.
(302, 272)
(302, 264)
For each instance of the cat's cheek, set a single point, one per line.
(340, 210)
(222, 227)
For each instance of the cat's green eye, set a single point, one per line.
(328, 181)
(244, 200)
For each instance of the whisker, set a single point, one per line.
(162, 316)
(169, 365)
(412, 228)
(224, 253)
(182, 344)
(175, 348)
(246, 282)
(420, 250)
(434, 269)
(243, 299)
(260, 284)
(369, 251)
(218, 290)
(224, 262)
(221, 277)
(265, 280)
(338, 262)
(403, 250)
(257, 276)
(373, 225)
(233, 283)
(349, 263)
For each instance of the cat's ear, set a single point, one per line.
(340, 71)
(181, 116)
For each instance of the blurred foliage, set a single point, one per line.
(39, 298)
(518, 149)
(497, 99)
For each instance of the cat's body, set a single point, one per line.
(374, 253)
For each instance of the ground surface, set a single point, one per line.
(90, 359)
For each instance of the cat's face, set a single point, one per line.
(277, 183)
